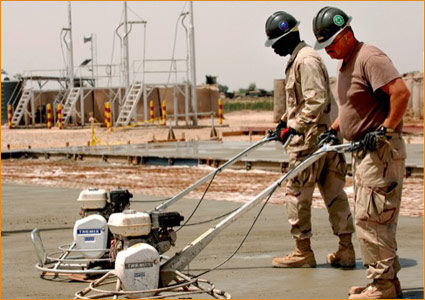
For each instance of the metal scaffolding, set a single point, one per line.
(77, 82)
(142, 85)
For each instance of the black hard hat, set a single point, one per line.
(278, 25)
(327, 24)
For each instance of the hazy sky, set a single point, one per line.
(229, 35)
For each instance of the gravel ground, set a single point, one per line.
(230, 185)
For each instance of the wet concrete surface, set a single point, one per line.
(247, 275)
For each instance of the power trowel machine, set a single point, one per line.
(140, 240)
(89, 252)
(93, 250)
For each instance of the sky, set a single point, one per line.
(229, 35)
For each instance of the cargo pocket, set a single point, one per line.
(382, 204)
(397, 154)
(371, 170)
(398, 151)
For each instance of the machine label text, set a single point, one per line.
(89, 231)
(138, 265)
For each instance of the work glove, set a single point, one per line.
(371, 140)
(281, 125)
(330, 136)
(284, 133)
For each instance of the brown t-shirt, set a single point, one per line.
(363, 106)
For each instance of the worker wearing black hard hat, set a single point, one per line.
(372, 99)
(308, 104)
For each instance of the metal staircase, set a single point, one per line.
(130, 104)
(60, 97)
(21, 107)
(69, 106)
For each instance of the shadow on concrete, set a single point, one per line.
(404, 262)
(407, 262)
(359, 265)
(413, 293)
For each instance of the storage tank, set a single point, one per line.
(9, 88)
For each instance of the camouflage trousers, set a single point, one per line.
(329, 175)
(378, 180)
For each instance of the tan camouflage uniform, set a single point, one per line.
(308, 102)
(378, 181)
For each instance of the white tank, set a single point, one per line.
(130, 223)
(93, 198)
(91, 233)
(138, 269)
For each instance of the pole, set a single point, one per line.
(9, 115)
(49, 116)
(164, 113)
(107, 115)
(144, 52)
(151, 112)
(193, 66)
(220, 111)
(92, 57)
(96, 72)
(70, 50)
(60, 116)
(126, 71)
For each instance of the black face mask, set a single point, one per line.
(281, 47)
(287, 44)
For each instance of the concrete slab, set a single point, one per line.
(247, 275)
(197, 150)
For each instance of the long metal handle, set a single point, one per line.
(231, 161)
(184, 257)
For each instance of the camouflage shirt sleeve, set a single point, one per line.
(314, 91)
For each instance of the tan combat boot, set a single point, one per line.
(359, 289)
(302, 257)
(378, 289)
(344, 256)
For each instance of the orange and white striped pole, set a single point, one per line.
(49, 116)
(108, 115)
(220, 111)
(9, 115)
(60, 116)
(152, 120)
(164, 114)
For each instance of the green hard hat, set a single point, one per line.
(327, 24)
(278, 25)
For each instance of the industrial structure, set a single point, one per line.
(128, 86)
